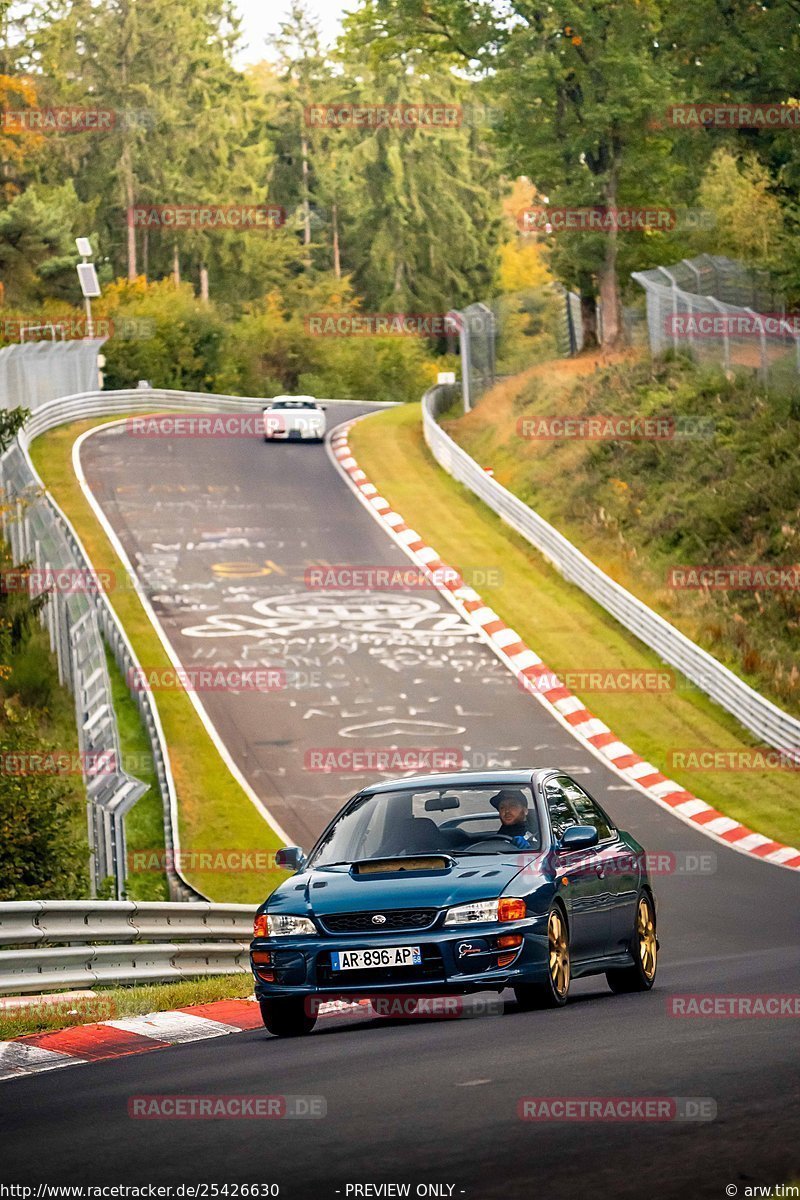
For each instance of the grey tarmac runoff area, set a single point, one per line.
(221, 532)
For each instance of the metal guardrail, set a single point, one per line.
(53, 944)
(754, 711)
(39, 531)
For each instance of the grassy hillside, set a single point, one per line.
(725, 493)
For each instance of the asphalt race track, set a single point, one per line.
(222, 532)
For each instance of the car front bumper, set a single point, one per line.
(307, 434)
(453, 960)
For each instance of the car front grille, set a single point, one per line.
(362, 922)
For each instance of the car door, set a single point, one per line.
(585, 889)
(616, 868)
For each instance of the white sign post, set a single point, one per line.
(87, 277)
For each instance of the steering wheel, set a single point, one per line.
(496, 837)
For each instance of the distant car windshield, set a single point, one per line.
(441, 820)
(294, 404)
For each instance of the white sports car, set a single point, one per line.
(294, 418)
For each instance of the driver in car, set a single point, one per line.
(513, 809)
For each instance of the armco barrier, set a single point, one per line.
(39, 531)
(776, 727)
(47, 945)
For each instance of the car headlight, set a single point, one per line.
(287, 925)
(507, 908)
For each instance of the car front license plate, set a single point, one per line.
(385, 956)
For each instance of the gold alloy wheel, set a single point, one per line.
(646, 934)
(559, 953)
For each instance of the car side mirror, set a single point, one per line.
(579, 837)
(291, 858)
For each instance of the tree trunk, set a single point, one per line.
(610, 298)
(337, 262)
(127, 183)
(306, 204)
(589, 319)
(145, 253)
(176, 265)
(608, 281)
(204, 284)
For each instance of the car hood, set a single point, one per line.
(339, 889)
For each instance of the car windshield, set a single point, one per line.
(294, 404)
(441, 820)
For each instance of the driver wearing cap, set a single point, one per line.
(513, 809)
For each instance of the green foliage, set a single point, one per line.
(37, 250)
(175, 341)
(41, 853)
(748, 220)
(11, 421)
(372, 369)
(43, 849)
(184, 344)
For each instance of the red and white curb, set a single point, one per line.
(136, 1035)
(529, 669)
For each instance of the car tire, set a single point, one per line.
(554, 991)
(644, 948)
(287, 1016)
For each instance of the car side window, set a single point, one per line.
(588, 812)
(559, 808)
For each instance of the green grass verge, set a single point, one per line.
(568, 629)
(109, 1003)
(215, 813)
